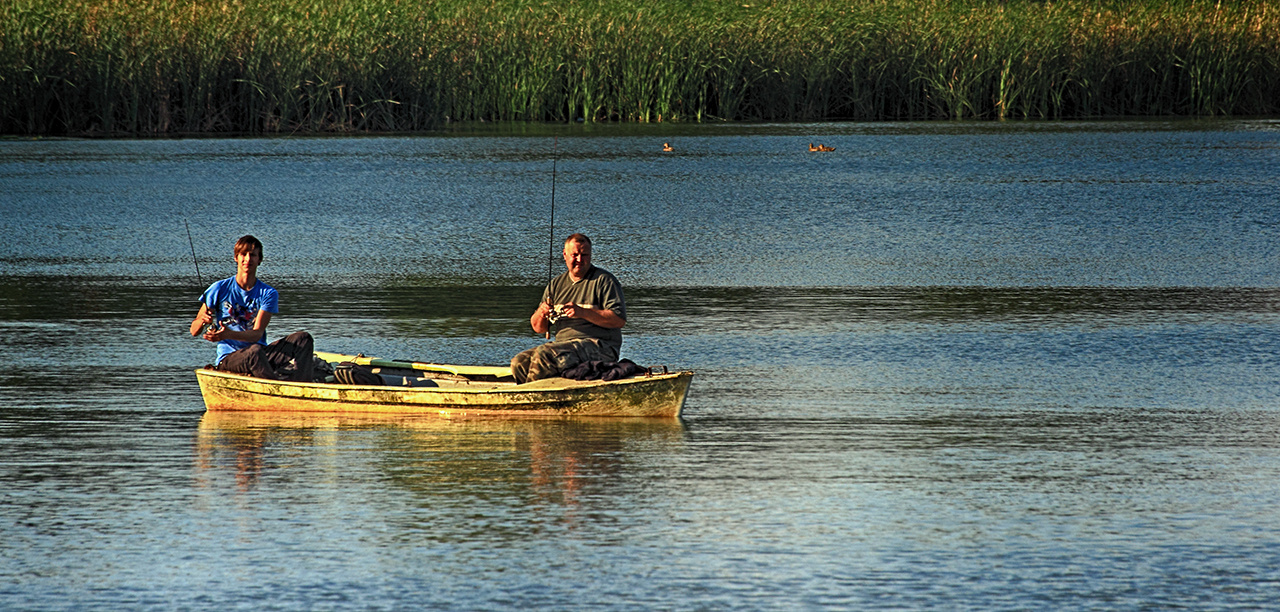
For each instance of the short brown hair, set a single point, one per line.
(578, 238)
(247, 244)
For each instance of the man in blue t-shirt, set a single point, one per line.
(234, 312)
(586, 311)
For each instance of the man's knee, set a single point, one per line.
(302, 356)
(520, 366)
(301, 341)
(540, 370)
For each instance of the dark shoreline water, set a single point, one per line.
(956, 368)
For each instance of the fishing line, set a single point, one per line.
(193, 252)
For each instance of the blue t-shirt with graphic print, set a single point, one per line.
(236, 309)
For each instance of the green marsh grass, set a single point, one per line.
(262, 66)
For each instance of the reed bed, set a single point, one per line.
(263, 66)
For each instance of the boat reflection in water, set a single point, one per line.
(552, 460)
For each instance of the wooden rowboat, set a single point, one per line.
(450, 391)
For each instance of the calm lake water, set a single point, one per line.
(946, 366)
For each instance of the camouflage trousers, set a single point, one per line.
(552, 358)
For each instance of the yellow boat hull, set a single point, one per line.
(658, 395)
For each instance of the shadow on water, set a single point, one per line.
(768, 307)
(503, 309)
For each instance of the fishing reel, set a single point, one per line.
(555, 315)
(210, 326)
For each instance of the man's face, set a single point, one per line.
(247, 261)
(577, 257)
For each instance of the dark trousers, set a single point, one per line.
(289, 358)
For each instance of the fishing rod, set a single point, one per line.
(193, 253)
(213, 323)
(551, 255)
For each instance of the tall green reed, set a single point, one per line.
(147, 66)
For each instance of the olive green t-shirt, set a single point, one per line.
(599, 289)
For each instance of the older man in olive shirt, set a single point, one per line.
(586, 311)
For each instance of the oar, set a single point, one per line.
(377, 362)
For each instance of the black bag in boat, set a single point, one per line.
(350, 373)
(603, 370)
